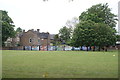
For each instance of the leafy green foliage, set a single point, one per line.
(84, 34)
(96, 27)
(88, 33)
(18, 30)
(65, 34)
(7, 27)
(99, 13)
(105, 35)
(56, 40)
(118, 37)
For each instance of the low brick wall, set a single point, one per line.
(44, 48)
(13, 48)
(6, 48)
(18, 48)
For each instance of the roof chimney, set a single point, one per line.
(38, 30)
(23, 30)
(32, 29)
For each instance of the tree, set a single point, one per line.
(65, 34)
(118, 37)
(19, 30)
(89, 33)
(99, 13)
(105, 35)
(56, 40)
(84, 34)
(96, 27)
(7, 27)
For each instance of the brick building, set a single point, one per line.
(31, 40)
(34, 40)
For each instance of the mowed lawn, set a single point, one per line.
(59, 64)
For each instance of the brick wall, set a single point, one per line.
(24, 40)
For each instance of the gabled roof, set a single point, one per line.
(52, 36)
(43, 35)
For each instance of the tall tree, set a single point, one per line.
(65, 34)
(84, 34)
(56, 40)
(100, 13)
(89, 33)
(96, 27)
(105, 35)
(18, 30)
(118, 37)
(7, 27)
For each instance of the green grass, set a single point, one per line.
(59, 64)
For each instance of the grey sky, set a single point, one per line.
(48, 16)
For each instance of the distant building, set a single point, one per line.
(52, 39)
(13, 42)
(8, 42)
(31, 40)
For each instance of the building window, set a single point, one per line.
(30, 40)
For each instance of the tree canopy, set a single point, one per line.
(18, 30)
(7, 27)
(100, 13)
(65, 34)
(96, 27)
(56, 40)
(118, 37)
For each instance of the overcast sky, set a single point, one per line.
(48, 16)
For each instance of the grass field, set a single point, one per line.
(59, 64)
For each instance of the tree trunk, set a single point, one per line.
(87, 48)
(23, 47)
(31, 48)
(64, 48)
(39, 48)
(55, 48)
(106, 49)
(99, 48)
(103, 48)
(90, 48)
(81, 48)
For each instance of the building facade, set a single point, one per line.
(34, 40)
(30, 40)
